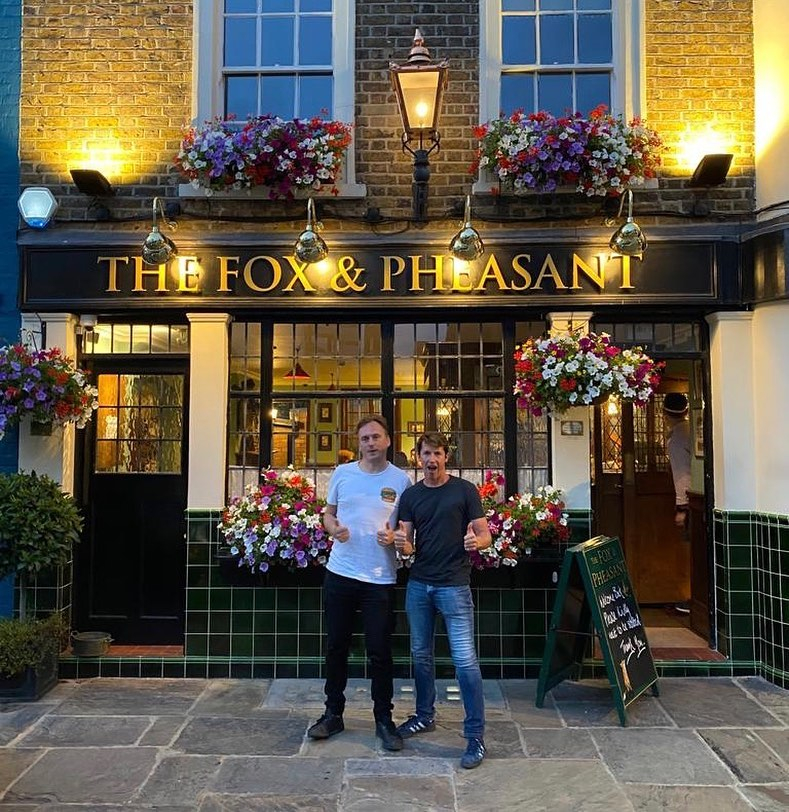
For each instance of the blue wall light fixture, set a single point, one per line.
(37, 206)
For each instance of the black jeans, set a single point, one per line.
(342, 598)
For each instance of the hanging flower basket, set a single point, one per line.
(554, 374)
(598, 155)
(45, 386)
(276, 524)
(284, 156)
(520, 524)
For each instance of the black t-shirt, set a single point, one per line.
(440, 517)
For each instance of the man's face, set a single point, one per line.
(373, 440)
(433, 460)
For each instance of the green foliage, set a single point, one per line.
(38, 524)
(27, 643)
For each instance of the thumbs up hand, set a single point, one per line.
(401, 542)
(385, 536)
(470, 539)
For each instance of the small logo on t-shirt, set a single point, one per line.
(389, 495)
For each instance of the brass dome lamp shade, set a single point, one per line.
(628, 239)
(467, 244)
(158, 248)
(310, 246)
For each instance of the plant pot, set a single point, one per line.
(38, 429)
(32, 683)
(90, 644)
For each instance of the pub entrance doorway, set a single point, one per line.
(130, 567)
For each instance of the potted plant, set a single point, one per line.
(554, 374)
(275, 525)
(39, 523)
(45, 386)
(284, 156)
(598, 155)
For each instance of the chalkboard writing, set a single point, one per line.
(595, 596)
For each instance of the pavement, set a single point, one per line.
(173, 745)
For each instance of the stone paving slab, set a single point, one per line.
(107, 745)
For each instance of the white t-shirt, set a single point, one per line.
(365, 502)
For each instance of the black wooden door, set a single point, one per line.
(130, 566)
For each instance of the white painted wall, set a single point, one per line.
(208, 383)
(771, 67)
(733, 387)
(771, 382)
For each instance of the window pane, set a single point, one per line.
(594, 38)
(240, 41)
(556, 5)
(517, 5)
(517, 93)
(556, 39)
(276, 42)
(240, 6)
(315, 5)
(315, 96)
(518, 41)
(592, 89)
(277, 96)
(274, 6)
(593, 5)
(241, 96)
(315, 42)
(555, 93)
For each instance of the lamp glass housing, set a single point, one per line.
(419, 90)
(37, 206)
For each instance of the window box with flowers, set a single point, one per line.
(555, 374)
(274, 527)
(44, 386)
(538, 152)
(264, 157)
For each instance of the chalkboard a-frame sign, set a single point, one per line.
(595, 593)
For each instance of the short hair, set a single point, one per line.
(374, 418)
(434, 438)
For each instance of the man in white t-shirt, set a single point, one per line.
(360, 577)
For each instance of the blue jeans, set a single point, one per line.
(422, 603)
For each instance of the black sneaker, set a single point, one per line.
(475, 752)
(415, 725)
(326, 726)
(387, 733)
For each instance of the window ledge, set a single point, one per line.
(345, 190)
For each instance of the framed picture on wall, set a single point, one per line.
(325, 412)
(416, 427)
(325, 442)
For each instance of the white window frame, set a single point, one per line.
(628, 92)
(207, 40)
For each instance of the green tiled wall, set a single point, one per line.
(752, 591)
(277, 629)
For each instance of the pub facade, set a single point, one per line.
(233, 355)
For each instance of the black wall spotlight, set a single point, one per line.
(92, 182)
(712, 170)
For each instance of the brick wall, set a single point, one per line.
(115, 79)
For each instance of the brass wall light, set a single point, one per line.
(37, 206)
(711, 170)
(310, 246)
(467, 243)
(419, 85)
(158, 248)
(628, 239)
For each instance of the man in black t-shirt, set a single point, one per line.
(440, 519)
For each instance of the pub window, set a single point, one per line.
(289, 58)
(135, 339)
(559, 55)
(657, 337)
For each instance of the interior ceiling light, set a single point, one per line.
(37, 206)
(92, 182)
(467, 244)
(712, 170)
(158, 248)
(298, 373)
(310, 246)
(628, 239)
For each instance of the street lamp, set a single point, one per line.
(419, 85)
